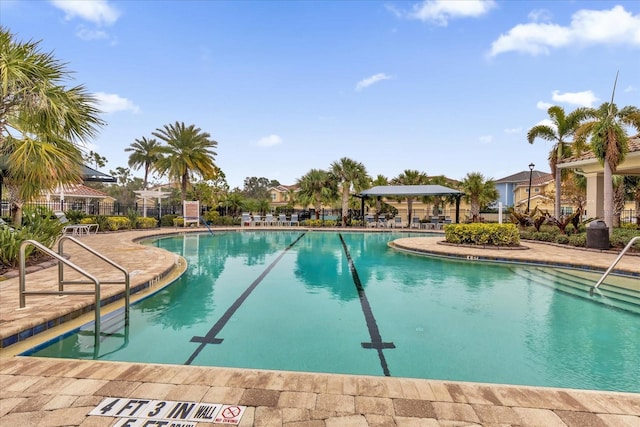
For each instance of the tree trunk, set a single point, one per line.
(15, 204)
(345, 202)
(618, 203)
(409, 209)
(637, 198)
(608, 196)
(558, 192)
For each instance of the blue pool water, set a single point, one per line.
(347, 303)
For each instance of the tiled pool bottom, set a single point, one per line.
(53, 392)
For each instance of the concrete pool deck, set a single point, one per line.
(55, 392)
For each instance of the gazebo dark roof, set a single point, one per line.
(409, 190)
(412, 191)
(92, 175)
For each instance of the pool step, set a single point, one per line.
(623, 294)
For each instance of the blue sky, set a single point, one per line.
(444, 87)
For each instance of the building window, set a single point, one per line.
(536, 190)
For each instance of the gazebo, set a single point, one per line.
(412, 191)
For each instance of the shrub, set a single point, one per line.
(482, 234)
(167, 220)
(578, 239)
(562, 239)
(75, 216)
(117, 223)
(211, 217)
(147, 222)
(133, 216)
(43, 229)
(319, 223)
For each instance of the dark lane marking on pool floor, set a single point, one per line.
(210, 338)
(376, 339)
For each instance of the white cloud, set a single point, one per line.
(85, 33)
(543, 105)
(513, 130)
(269, 141)
(99, 12)
(630, 89)
(587, 27)
(440, 12)
(371, 80)
(583, 99)
(540, 15)
(111, 103)
(486, 139)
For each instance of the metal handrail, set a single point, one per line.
(61, 259)
(126, 283)
(606, 273)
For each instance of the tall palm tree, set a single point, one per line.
(380, 180)
(316, 186)
(479, 192)
(43, 124)
(410, 177)
(607, 133)
(351, 175)
(144, 153)
(189, 152)
(560, 132)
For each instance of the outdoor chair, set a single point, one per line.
(294, 220)
(397, 222)
(269, 220)
(415, 222)
(370, 221)
(246, 220)
(282, 219)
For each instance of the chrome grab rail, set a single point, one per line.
(126, 282)
(606, 273)
(62, 261)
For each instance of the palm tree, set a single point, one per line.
(479, 192)
(606, 130)
(410, 177)
(563, 128)
(316, 186)
(42, 123)
(350, 174)
(146, 153)
(380, 180)
(189, 152)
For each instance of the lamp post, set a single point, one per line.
(531, 166)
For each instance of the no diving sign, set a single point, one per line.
(166, 413)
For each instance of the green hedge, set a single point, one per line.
(319, 223)
(482, 234)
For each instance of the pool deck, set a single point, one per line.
(55, 392)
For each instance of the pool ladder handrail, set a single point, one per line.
(615, 262)
(62, 261)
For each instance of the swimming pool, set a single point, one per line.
(347, 303)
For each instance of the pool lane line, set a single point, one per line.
(376, 339)
(210, 338)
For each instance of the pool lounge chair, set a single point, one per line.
(415, 222)
(246, 220)
(282, 220)
(269, 220)
(294, 220)
(397, 222)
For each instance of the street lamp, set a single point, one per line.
(531, 166)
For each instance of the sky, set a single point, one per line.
(443, 87)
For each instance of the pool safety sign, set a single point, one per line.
(166, 413)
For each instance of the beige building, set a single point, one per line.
(590, 167)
